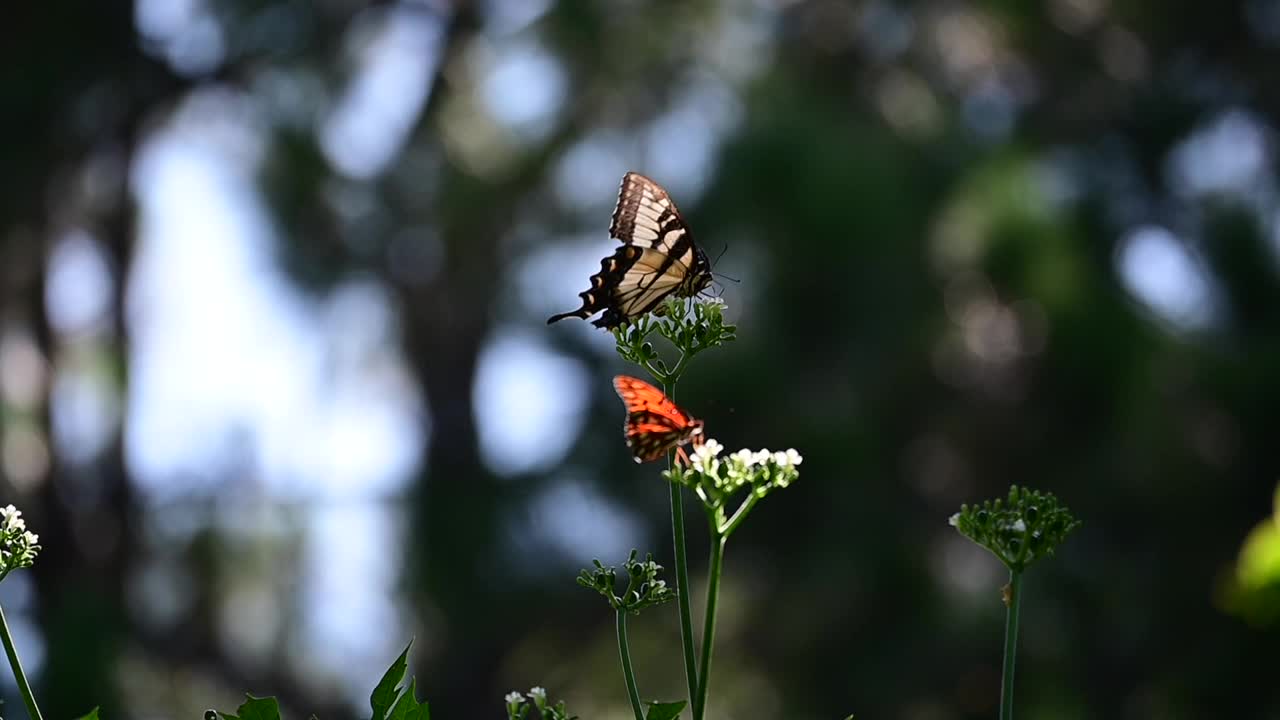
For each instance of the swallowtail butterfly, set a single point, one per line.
(657, 258)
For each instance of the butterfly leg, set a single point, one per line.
(681, 456)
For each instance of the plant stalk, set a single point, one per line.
(33, 711)
(682, 574)
(727, 528)
(682, 591)
(624, 650)
(709, 627)
(1010, 644)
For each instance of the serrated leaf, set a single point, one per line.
(383, 697)
(665, 711)
(259, 709)
(91, 715)
(408, 707)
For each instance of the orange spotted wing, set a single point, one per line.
(654, 424)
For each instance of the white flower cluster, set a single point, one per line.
(537, 694)
(787, 458)
(704, 457)
(18, 546)
(745, 467)
(518, 706)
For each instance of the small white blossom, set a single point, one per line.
(763, 456)
(793, 457)
(18, 546)
(11, 519)
(514, 698)
(1019, 526)
(709, 448)
(704, 458)
(780, 458)
(954, 520)
(538, 693)
(744, 456)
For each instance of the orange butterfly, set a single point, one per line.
(654, 424)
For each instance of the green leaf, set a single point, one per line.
(408, 707)
(259, 709)
(383, 697)
(92, 715)
(665, 711)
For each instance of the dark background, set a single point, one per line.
(278, 396)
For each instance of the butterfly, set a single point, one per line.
(654, 424)
(657, 258)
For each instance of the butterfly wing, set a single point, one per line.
(650, 436)
(657, 257)
(646, 216)
(654, 424)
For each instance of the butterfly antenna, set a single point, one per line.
(723, 250)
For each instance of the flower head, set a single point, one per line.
(644, 587)
(708, 449)
(717, 479)
(18, 546)
(704, 458)
(1019, 529)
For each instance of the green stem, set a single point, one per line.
(682, 574)
(624, 649)
(738, 516)
(682, 590)
(656, 373)
(33, 712)
(709, 627)
(1010, 644)
(678, 370)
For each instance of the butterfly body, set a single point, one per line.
(654, 424)
(657, 258)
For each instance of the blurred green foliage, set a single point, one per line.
(938, 211)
